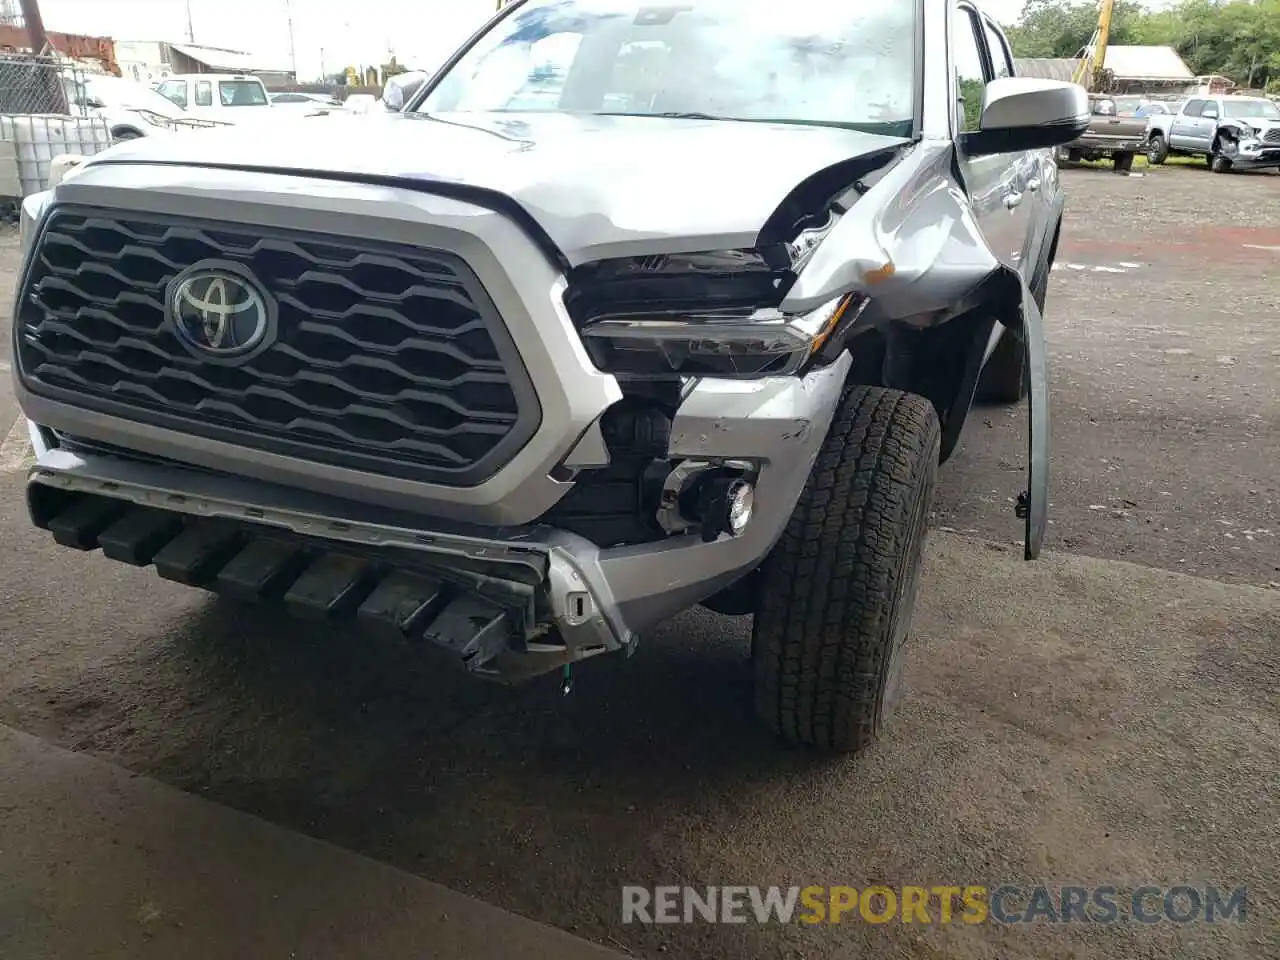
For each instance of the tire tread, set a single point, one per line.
(824, 628)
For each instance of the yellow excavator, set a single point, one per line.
(1089, 73)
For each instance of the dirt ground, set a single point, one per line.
(1079, 720)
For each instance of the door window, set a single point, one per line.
(971, 81)
(204, 93)
(1210, 111)
(175, 90)
(1193, 108)
(1000, 59)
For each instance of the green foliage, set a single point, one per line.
(972, 91)
(1239, 39)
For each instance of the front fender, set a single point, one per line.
(1033, 505)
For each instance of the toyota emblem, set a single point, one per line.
(219, 312)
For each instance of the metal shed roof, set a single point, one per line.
(226, 61)
(1128, 62)
(1161, 63)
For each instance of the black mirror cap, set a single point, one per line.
(1039, 136)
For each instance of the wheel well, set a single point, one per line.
(124, 131)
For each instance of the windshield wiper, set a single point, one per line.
(666, 115)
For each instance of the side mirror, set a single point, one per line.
(94, 103)
(1026, 113)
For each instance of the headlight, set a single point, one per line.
(764, 343)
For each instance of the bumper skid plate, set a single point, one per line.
(313, 578)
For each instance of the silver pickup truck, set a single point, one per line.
(1229, 132)
(1113, 133)
(548, 356)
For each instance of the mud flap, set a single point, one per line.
(1035, 501)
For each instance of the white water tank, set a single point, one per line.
(36, 139)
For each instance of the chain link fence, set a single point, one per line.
(35, 85)
(43, 113)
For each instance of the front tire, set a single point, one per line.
(837, 593)
(1217, 162)
(1157, 150)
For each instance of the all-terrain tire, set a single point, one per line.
(1157, 150)
(1219, 163)
(837, 593)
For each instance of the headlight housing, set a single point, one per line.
(765, 342)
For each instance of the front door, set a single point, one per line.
(995, 183)
(1182, 131)
(1207, 125)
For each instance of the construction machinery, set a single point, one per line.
(1090, 73)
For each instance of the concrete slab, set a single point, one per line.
(100, 863)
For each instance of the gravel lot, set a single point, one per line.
(1079, 720)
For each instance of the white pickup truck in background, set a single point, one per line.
(230, 98)
(1230, 132)
(129, 109)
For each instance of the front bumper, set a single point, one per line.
(516, 601)
(1257, 153)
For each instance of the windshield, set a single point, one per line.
(242, 93)
(1262, 109)
(115, 92)
(808, 61)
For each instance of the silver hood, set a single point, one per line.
(597, 186)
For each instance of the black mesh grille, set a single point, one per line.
(1272, 135)
(385, 358)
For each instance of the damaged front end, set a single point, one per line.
(1248, 146)
(502, 610)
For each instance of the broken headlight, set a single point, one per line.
(765, 342)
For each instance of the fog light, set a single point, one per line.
(725, 505)
(742, 499)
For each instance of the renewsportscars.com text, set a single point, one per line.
(973, 904)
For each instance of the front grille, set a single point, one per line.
(384, 358)
(1272, 135)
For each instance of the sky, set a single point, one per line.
(344, 33)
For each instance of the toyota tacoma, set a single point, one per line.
(633, 307)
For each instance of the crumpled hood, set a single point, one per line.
(598, 186)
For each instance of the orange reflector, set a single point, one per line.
(821, 338)
(880, 273)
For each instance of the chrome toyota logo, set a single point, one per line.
(218, 311)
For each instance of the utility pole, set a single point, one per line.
(35, 26)
(191, 30)
(293, 55)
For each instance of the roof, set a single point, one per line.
(1045, 68)
(1133, 62)
(227, 61)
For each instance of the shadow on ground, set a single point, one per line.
(1100, 724)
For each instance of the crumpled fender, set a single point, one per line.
(912, 243)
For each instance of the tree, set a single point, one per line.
(1239, 39)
